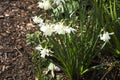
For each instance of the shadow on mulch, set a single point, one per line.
(15, 23)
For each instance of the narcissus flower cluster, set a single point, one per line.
(49, 28)
(58, 28)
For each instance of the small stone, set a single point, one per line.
(4, 34)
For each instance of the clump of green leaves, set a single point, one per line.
(72, 39)
(33, 39)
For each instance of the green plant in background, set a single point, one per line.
(110, 20)
(115, 25)
(71, 34)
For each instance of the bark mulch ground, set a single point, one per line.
(15, 23)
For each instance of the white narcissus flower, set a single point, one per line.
(40, 5)
(47, 29)
(52, 67)
(37, 20)
(39, 48)
(58, 1)
(59, 28)
(106, 36)
(43, 51)
(44, 5)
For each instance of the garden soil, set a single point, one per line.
(15, 23)
(15, 54)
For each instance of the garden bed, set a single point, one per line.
(19, 61)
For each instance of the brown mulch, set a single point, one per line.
(15, 23)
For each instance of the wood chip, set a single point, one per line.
(1, 47)
(1, 17)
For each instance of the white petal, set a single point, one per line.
(40, 5)
(111, 33)
(37, 20)
(47, 29)
(39, 48)
(106, 36)
(69, 30)
(59, 28)
(51, 66)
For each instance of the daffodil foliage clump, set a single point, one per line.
(71, 33)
